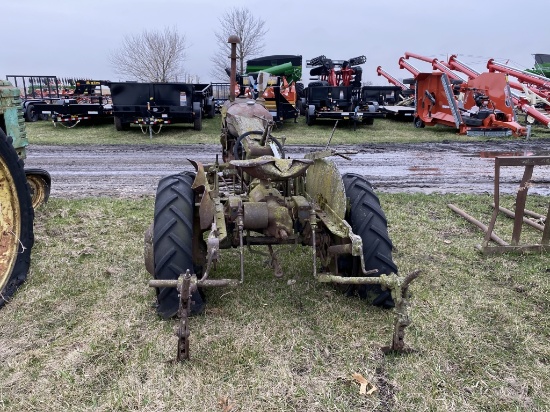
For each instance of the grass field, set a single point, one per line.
(82, 334)
(382, 131)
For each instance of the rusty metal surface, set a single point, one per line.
(326, 188)
(271, 168)
(184, 310)
(245, 115)
(528, 162)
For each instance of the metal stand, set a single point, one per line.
(529, 162)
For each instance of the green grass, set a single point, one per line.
(383, 131)
(82, 334)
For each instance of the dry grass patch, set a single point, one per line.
(82, 333)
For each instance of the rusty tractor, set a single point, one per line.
(257, 196)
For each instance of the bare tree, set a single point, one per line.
(251, 31)
(152, 56)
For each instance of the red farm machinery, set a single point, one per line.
(480, 106)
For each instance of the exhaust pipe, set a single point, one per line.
(233, 40)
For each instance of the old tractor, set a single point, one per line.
(20, 192)
(257, 196)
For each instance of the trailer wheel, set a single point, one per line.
(173, 240)
(369, 121)
(119, 125)
(16, 222)
(31, 115)
(369, 222)
(418, 123)
(310, 119)
(197, 124)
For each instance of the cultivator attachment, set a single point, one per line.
(188, 283)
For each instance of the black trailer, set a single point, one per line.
(336, 92)
(87, 100)
(396, 103)
(339, 102)
(35, 90)
(158, 104)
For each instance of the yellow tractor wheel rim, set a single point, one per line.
(10, 224)
(38, 190)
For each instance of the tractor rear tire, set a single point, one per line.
(16, 223)
(173, 240)
(369, 222)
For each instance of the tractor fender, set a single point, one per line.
(324, 185)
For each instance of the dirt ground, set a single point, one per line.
(133, 171)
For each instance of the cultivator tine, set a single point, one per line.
(182, 329)
(402, 319)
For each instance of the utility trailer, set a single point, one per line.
(337, 92)
(395, 102)
(35, 90)
(88, 100)
(159, 104)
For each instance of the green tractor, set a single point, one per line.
(21, 191)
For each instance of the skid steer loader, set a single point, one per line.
(257, 196)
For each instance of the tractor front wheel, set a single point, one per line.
(369, 222)
(39, 184)
(173, 240)
(16, 221)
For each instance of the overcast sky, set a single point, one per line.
(72, 38)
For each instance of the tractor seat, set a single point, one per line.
(271, 168)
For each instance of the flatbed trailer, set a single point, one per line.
(87, 100)
(35, 90)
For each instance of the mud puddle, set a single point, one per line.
(134, 171)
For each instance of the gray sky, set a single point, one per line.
(71, 38)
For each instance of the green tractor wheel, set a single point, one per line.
(369, 222)
(16, 221)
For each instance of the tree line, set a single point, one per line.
(160, 56)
